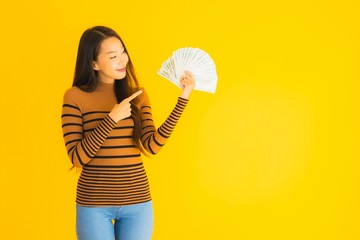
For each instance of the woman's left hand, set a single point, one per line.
(187, 84)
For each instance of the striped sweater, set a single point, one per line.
(112, 170)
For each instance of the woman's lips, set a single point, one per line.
(121, 70)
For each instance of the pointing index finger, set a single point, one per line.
(134, 95)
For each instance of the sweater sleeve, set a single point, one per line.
(79, 148)
(153, 139)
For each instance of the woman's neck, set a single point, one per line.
(107, 81)
(105, 85)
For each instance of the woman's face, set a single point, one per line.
(111, 60)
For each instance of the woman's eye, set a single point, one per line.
(112, 57)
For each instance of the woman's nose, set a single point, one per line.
(123, 59)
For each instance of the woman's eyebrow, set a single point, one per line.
(114, 51)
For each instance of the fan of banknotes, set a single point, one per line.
(195, 60)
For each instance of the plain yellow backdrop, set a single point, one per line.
(273, 154)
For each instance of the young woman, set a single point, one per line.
(107, 123)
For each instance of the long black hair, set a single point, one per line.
(86, 78)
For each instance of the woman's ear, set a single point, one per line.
(95, 66)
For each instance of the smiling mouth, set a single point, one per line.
(121, 70)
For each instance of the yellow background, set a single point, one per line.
(274, 154)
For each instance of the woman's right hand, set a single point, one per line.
(123, 109)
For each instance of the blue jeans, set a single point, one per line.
(131, 222)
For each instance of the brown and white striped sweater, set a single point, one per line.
(112, 169)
